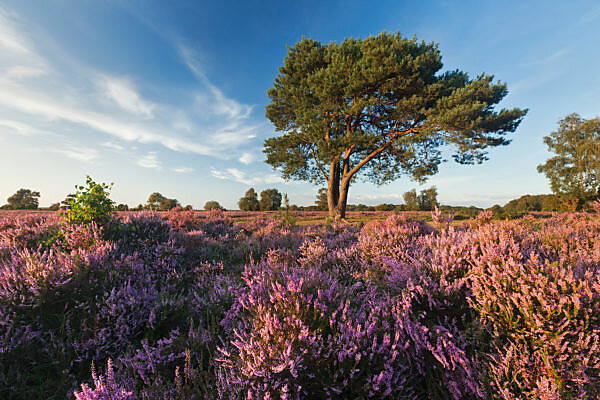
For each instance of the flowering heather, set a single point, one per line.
(186, 305)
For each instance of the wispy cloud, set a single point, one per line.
(590, 16)
(10, 38)
(234, 174)
(113, 146)
(247, 158)
(124, 94)
(23, 72)
(547, 59)
(182, 170)
(33, 103)
(77, 153)
(149, 160)
(94, 103)
(20, 128)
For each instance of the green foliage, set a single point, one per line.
(385, 207)
(378, 107)
(428, 199)
(90, 203)
(122, 207)
(158, 202)
(461, 212)
(67, 201)
(540, 202)
(270, 200)
(411, 202)
(212, 205)
(287, 218)
(575, 169)
(23, 199)
(516, 208)
(249, 202)
(359, 207)
(321, 201)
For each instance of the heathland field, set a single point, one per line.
(189, 305)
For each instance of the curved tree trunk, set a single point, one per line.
(337, 189)
(340, 209)
(333, 188)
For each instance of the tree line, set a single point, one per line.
(573, 172)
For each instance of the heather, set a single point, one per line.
(185, 305)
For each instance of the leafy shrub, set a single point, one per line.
(91, 203)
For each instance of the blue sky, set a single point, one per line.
(170, 96)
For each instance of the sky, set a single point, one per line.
(170, 96)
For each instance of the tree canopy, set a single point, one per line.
(411, 200)
(212, 205)
(270, 200)
(158, 202)
(575, 169)
(249, 202)
(321, 201)
(378, 107)
(23, 199)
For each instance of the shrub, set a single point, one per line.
(91, 203)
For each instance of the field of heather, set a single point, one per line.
(186, 305)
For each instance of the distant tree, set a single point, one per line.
(54, 207)
(359, 207)
(428, 199)
(23, 199)
(158, 202)
(139, 207)
(154, 201)
(575, 169)
(385, 207)
(270, 200)
(188, 207)
(65, 204)
(321, 201)
(380, 107)
(249, 202)
(122, 207)
(168, 204)
(411, 200)
(212, 205)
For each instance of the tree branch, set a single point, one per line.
(312, 150)
(369, 158)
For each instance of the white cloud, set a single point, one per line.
(113, 146)
(77, 153)
(552, 57)
(52, 108)
(234, 174)
(23, 72)
(72, 98)
(182, 170)
(124, 94)
(10, 38)
(20, 128)
(247, 158)
(149, 161)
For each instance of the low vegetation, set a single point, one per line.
(190, 305)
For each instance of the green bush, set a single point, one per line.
(90, 203)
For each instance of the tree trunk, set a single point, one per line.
(340, 209)
(333, 188)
